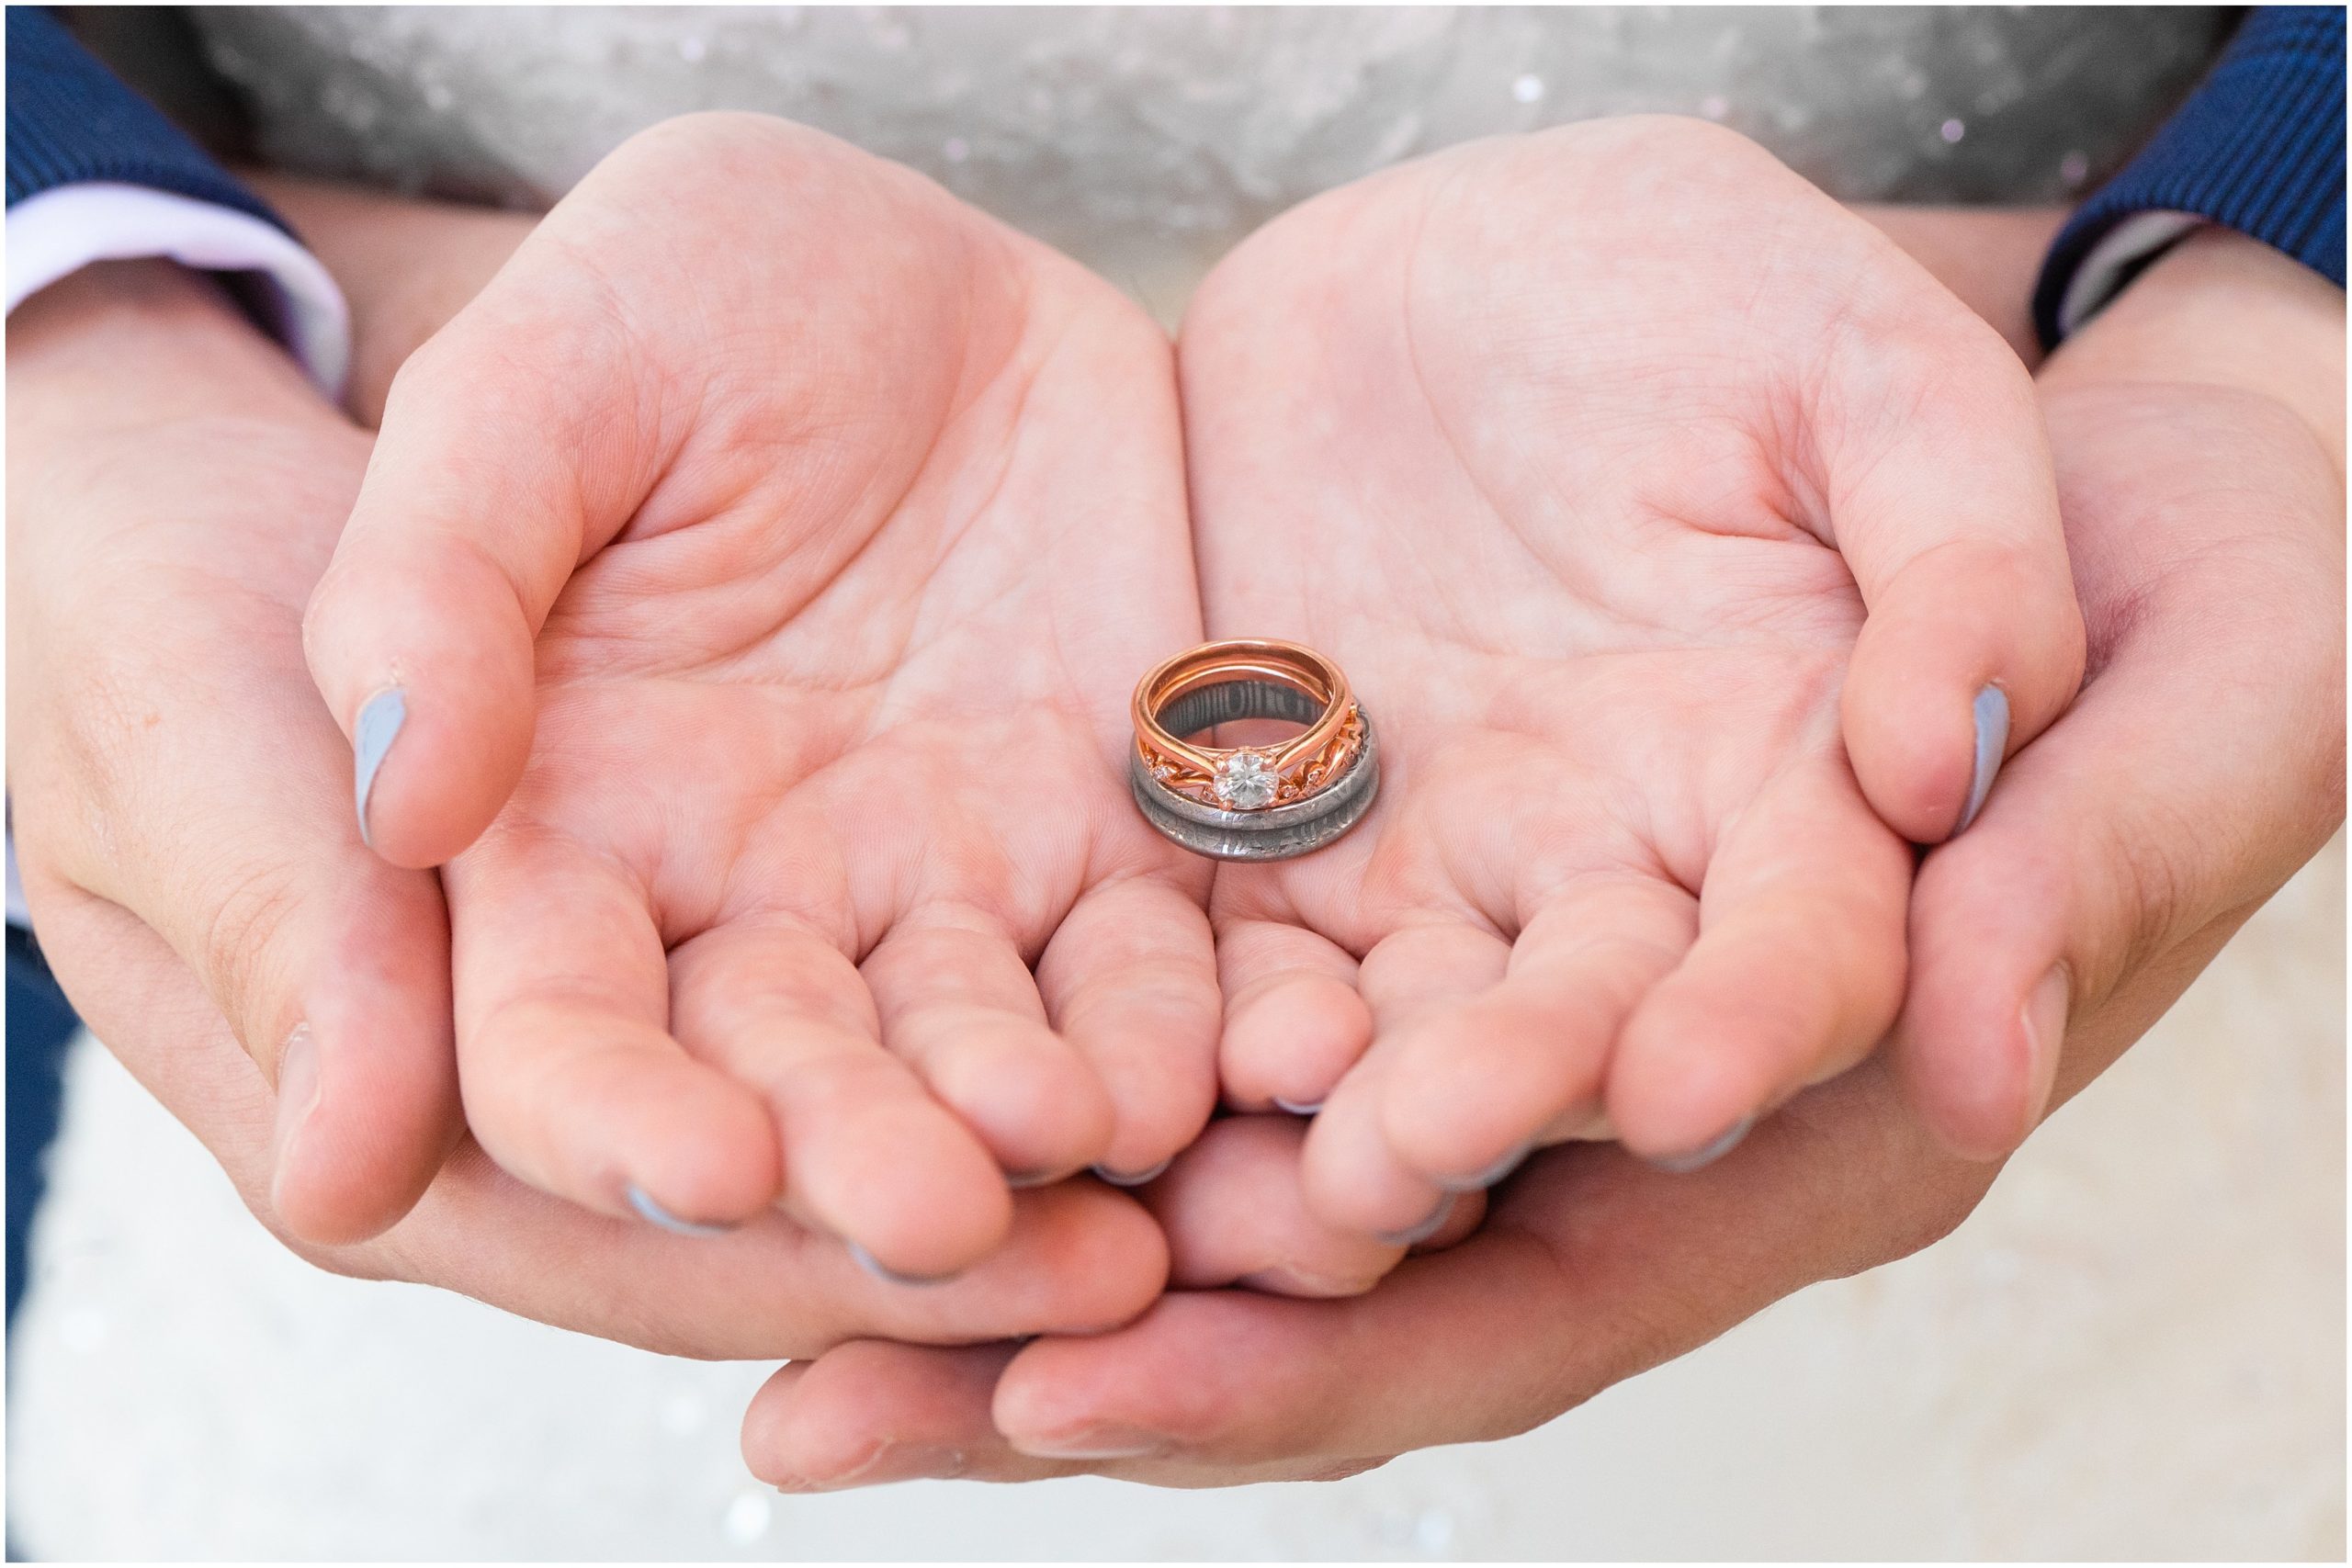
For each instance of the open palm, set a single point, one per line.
(1590, 455)
(769, 550)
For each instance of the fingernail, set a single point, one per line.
(1991, 715)
(1723, 1144)
(913, 1461)
(874, 1266)
(2045, 1035)
(378, 724)
(1131, 1178)
(1298, 1108)
(1480, 1181)
(1095, 1442)
(888, 1464)
(1416, 1235)
(1023, 1181)
(642, 1202)
(298, 1088)
(1285, 1280)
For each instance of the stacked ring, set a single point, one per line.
(1266, 802)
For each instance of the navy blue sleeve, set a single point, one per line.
(71, 119)
(2257, 148)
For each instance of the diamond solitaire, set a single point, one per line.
(1246, 781)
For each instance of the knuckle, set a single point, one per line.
(240, 946)
(2157, 881)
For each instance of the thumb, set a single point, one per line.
(499, 470)
(1948, 518)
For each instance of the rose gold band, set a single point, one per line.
(1248, 777)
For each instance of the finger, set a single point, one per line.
(1796, 973)
(958, 1004)
(1234, 1213)
(1354, 1178)
(2138, 821)
(1280, 1389)
(1293, 1021)
(1948, 519)
(872, 1412)
(502, 464)
(1080, 1259)
(571, 1079)
(1469, 1089)
(868, 1154)
(1129, 980)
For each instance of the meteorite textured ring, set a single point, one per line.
(1261, 802)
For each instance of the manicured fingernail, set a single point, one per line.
(372, 734)
(1131, 1178)
(2045, 1037)
(1415, 1234)
(1992, 714)
(874, 1266)
(1298, 1108)
(642, 1202)
(1023, 1181)
(1095, 1442)
(298, 1088)
(1722, 1144)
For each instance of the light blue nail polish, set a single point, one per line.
(1131, 1178)
(1425, 1229)
(642, 1202)
(1479, 1181)
(381, 718)
(874, 1266)
(1992, 713)
(1723, 1144)
(1298, 1108)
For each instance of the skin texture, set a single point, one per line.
(181, 801)
(1232, 1385)
(810, 655)
(1640, 490)
(2197, 427)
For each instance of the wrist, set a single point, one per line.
(404, 265)
(125, 346)
(2221, 310)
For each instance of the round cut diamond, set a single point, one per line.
(1245, 781)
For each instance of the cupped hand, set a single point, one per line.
(1690, 549)
(181, 803)
(770, 550)
(2196, 426)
